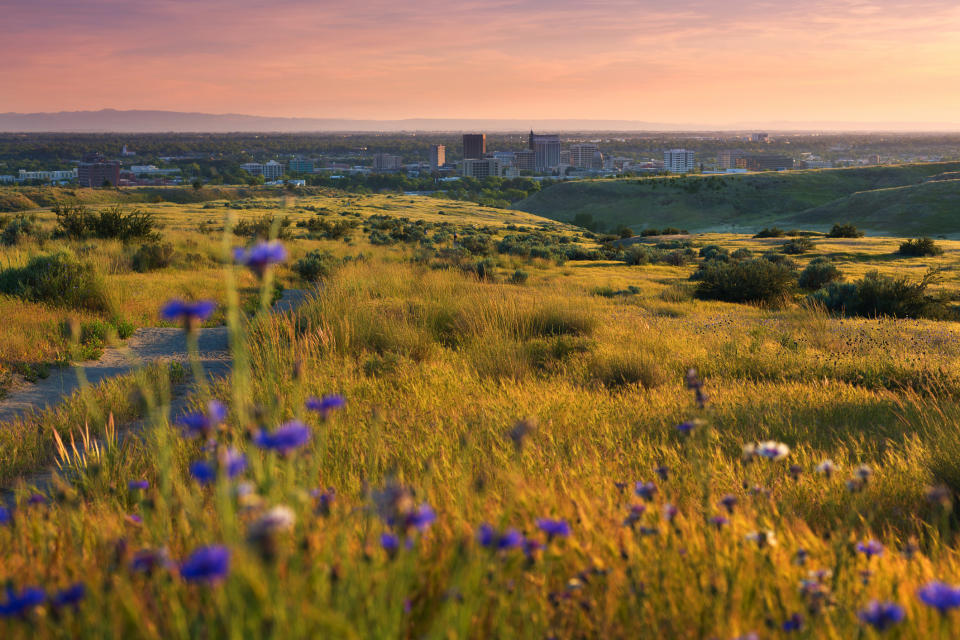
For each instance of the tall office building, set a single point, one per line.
(586, 156)
(482, 168)
(96, 171)
(386, 162)
(474, 146)
(727, 159)
(547, 151)
(438, 156)
(678, 161)
(525, 160)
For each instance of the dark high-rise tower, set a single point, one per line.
(474, 146)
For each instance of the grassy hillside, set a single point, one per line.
(736, 202)
(930, 208)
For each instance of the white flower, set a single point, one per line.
(273, 521)
(762, 538)
(773, 450)
(827, 467)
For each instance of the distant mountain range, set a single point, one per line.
(139, 121)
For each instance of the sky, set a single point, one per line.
(735, 61)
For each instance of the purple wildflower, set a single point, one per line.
(231, 462)
(729, 501)
(19, 604)
(148, 560)
(793, 623)
(326, 404)
(5, 516)
(204, 422)
(645, 490)
(191, 314)
(141, 485)
(870, 548)
(669, 512)
(686, 427)
(72, 595)
(663, 471)
(37, 499)
(882, 615)
(489, 537)
(554, 528)
(389, 542)
(206, 564)
(421, 518)
(719, 522)
(324, 500)
(261, 256)
(285, 438)
(939, 595)
(636, 512)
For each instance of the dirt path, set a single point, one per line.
(145, 346)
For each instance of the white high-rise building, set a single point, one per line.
(678, 161)
(438, 156)
(586, 156)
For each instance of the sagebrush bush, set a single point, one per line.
(797, 246)
(713, 252)
(19, 229)
(919, 247)
(317, 265)
(77, 222)
(844, 231)
(818, 273)
(58, 279)
(263, 227)
(519, 276)
(879, 295)
(152, 256)
(755, 280)
(771, 232)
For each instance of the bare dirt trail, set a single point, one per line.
(146, 346)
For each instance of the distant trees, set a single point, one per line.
(844, 231)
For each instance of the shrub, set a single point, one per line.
(57, 279)
(152, 256)
(625, 232)
(844, 231)
(19, 229)
(820, 272)
(877, 295)
(920, 247)
(741, 254)
(755, 280)
(484, 269)
(317, 265)
(771, 232)
(263, 226)
(640, 254)
(519, 276)
(797, 246)
(713, 252)
(77, 222)
(646, 233)
(779, 258)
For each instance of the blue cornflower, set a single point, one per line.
(191, 314)
(324, 500)
(135, 485)
(719, 521)
(389, 542)
(663, 471)
(206, 564)
(261, 256)
(645, 490)
(939, 595)
(729, 501)
(21, 603)
(554, 528)
(5, 516)
(793, 623)
(324, 405)
(870, 548)
(37, 498)
(489, 537)
(203, 471)
(421, 517)
(285, 438)
(686, 427)
(147, 560)
(231, 462)
(203, 422)
(882, 615)
(531, 546)
(72, 595)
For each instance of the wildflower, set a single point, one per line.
(686, 427)
(261, 256)
(72, 595)
(390, 543)
(37, 499)
(531, 546)
(645, 490)
(519, 432)
(669, 512)
(285, 438)
(719, 522)
(230, 461)
(134, 519)
(421, 517)
(796, 471)
(148, 560)
(863, 472)
(772, 450)
(793, 623)
(554, 528)
(870, 548)
(326, 404)
(21, 603)
(800, 557)
(191, 314)
(621, 486)
(489, 537)
(854, 485)
(324, 500)
(762, 539)
(729, 501)
(206, 564)
(135, 485)
(939, 595)
(910, 549)
(663, 471)
(5, 516)
(882, 615)
(263, 533)
(203, 423)
(827, 468)
(636, 512)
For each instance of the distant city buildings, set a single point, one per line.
(678, 161)
(727, 159)
(387, 162)
(546, 149)
(586, 156)
(764, 162)
(760, 137)
(482, 168)
(300, 166)
(47, 176)
(438, 157)
(525, 160)
(270, 170)
(474, 146)
(95, 170)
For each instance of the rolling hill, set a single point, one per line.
(889, 199)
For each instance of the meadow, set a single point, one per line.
(460, 434)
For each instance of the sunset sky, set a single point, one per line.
(683, 61)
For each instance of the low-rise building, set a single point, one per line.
(300, 166)
(482, 168)
(96, 170)
(387, 162)
(47, 176)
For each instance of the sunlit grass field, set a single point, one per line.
(523, 404)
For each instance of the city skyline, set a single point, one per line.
(700, 62)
